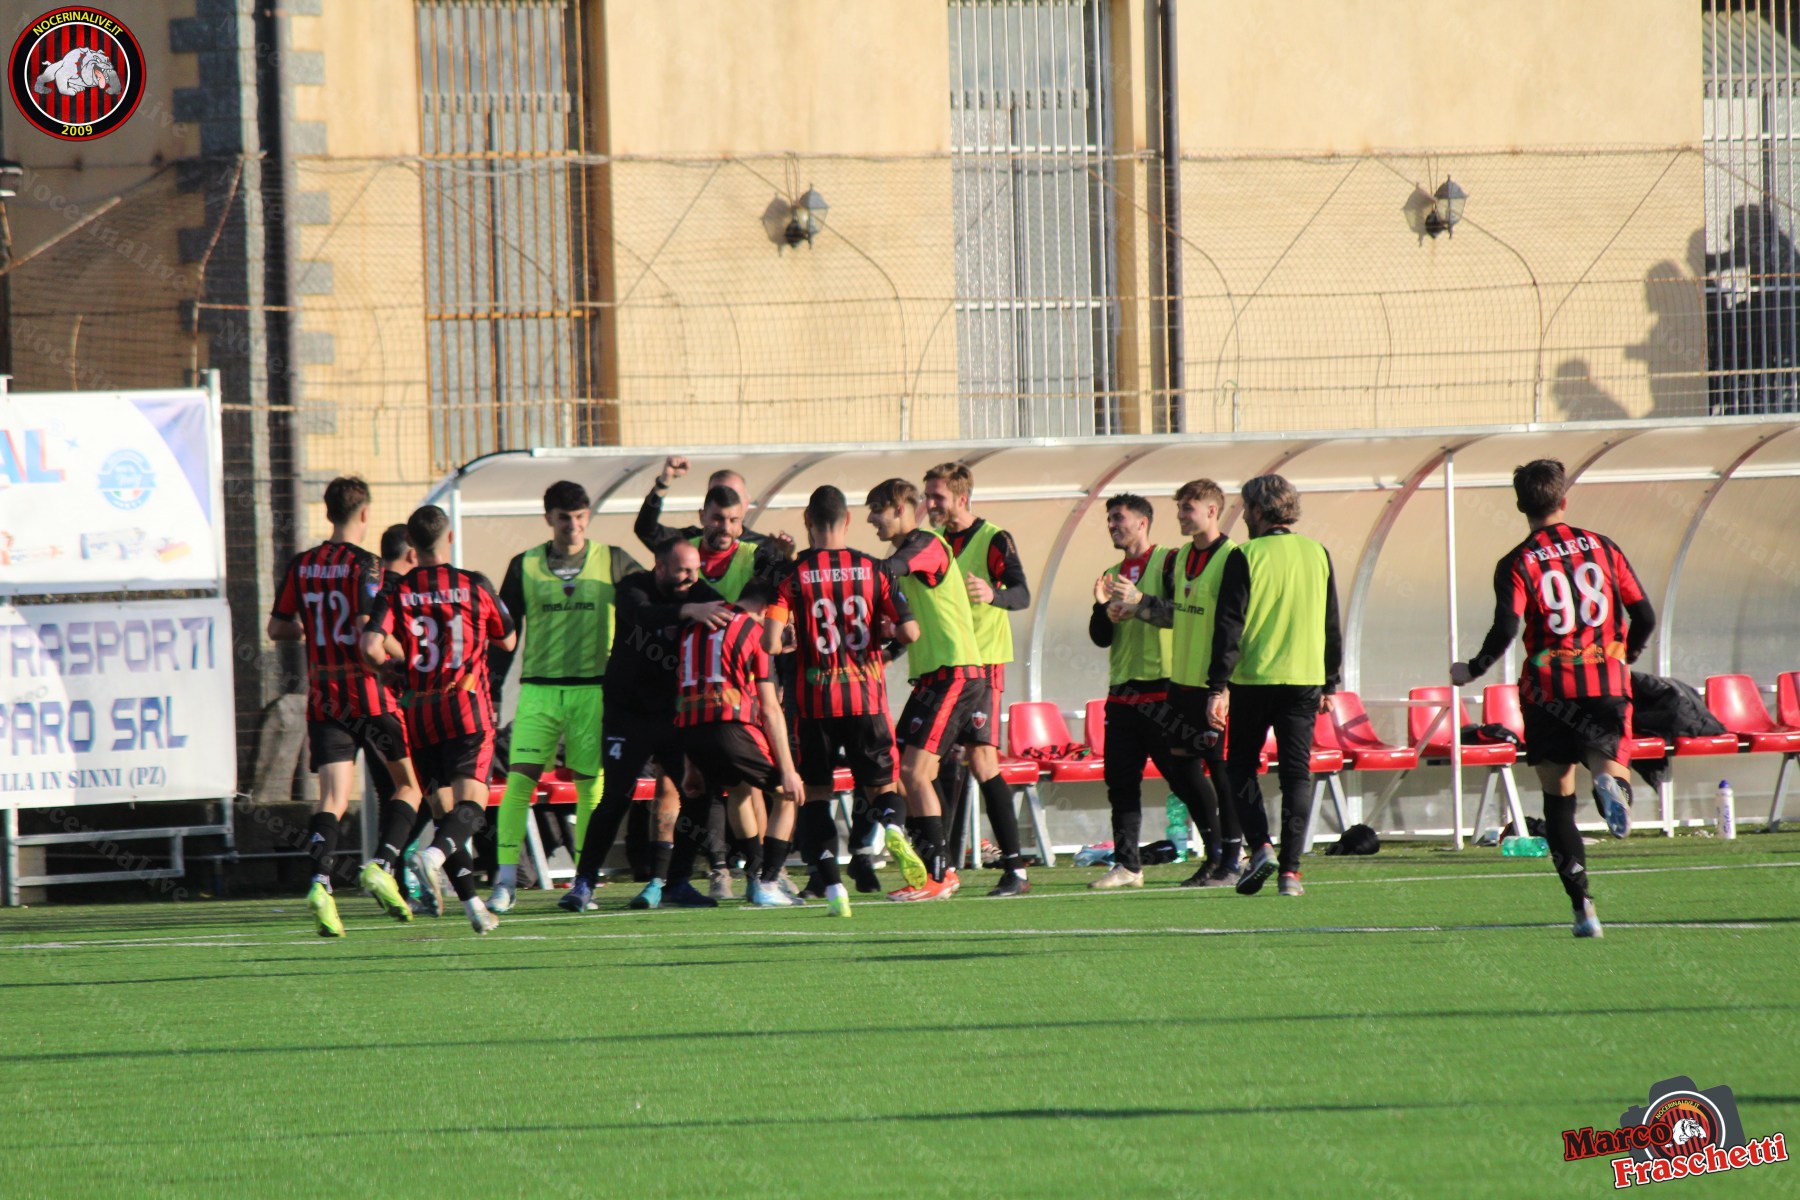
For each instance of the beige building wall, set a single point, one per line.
(359, 269)
(766, 98)
(1314, 298)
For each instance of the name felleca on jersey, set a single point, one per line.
(1586, 545)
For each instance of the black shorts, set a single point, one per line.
(464, 756)
(1568, 731)
(867, 742)
(632, 741)
(729, 753)
(336, 741)
(1188, 729)
(947, 709)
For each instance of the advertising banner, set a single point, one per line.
(109, 702)
(109, 491)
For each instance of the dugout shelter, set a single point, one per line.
(1414, 521)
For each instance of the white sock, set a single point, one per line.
(506, 875)
(433, 858)
(836, 891)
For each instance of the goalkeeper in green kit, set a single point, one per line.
(561, 594)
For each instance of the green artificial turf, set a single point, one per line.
(1420, 1024)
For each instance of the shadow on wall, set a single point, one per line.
(1579, 397)
(1674, 351)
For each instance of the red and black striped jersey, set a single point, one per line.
(1570, 587)
(719, 672)
(443, 617)
(836, 600)
(327, 589)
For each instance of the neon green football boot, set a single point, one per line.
(324, 910)
(378, 883)
(911, 865)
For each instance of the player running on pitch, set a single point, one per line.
(561, 593)
(1573, 590)
(839, 601)
(438, 624)
(324, 600)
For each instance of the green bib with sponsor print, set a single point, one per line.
(1140, 651)
(1196, 607)
(737, 572)
(946, 630)
(568, 622)
(1284, 625)
(993, 626)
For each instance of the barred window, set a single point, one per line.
(1752, 185)
(509, 332)
(1034, 224)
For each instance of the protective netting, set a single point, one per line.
(440, 309)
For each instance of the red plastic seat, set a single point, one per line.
(1738, 704)
(644, 789)
(1437, 750)
(1093, 726)
(1094, 734)
(1787, 699)
(842, 780)
(1347, 728)
(551, 790)
(495, 792)
(1500, 706)
(1038, 725)
(1325, 759)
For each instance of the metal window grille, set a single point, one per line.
(506, 281)
(1034, 222)
(1752, 184)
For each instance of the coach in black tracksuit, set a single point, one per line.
(639, 722)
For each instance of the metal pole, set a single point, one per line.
(1171, 201)
(9, 835)
(1453, 710)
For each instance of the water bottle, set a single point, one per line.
(1178, 826)
(1524, 847)
(1727, 811)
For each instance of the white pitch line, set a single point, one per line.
(210, 940)
(932, 935)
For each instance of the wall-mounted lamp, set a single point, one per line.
(788, 223)
(1446, 208)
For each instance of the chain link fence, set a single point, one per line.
(1578, 285)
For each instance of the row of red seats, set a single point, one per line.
(1345, 739)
